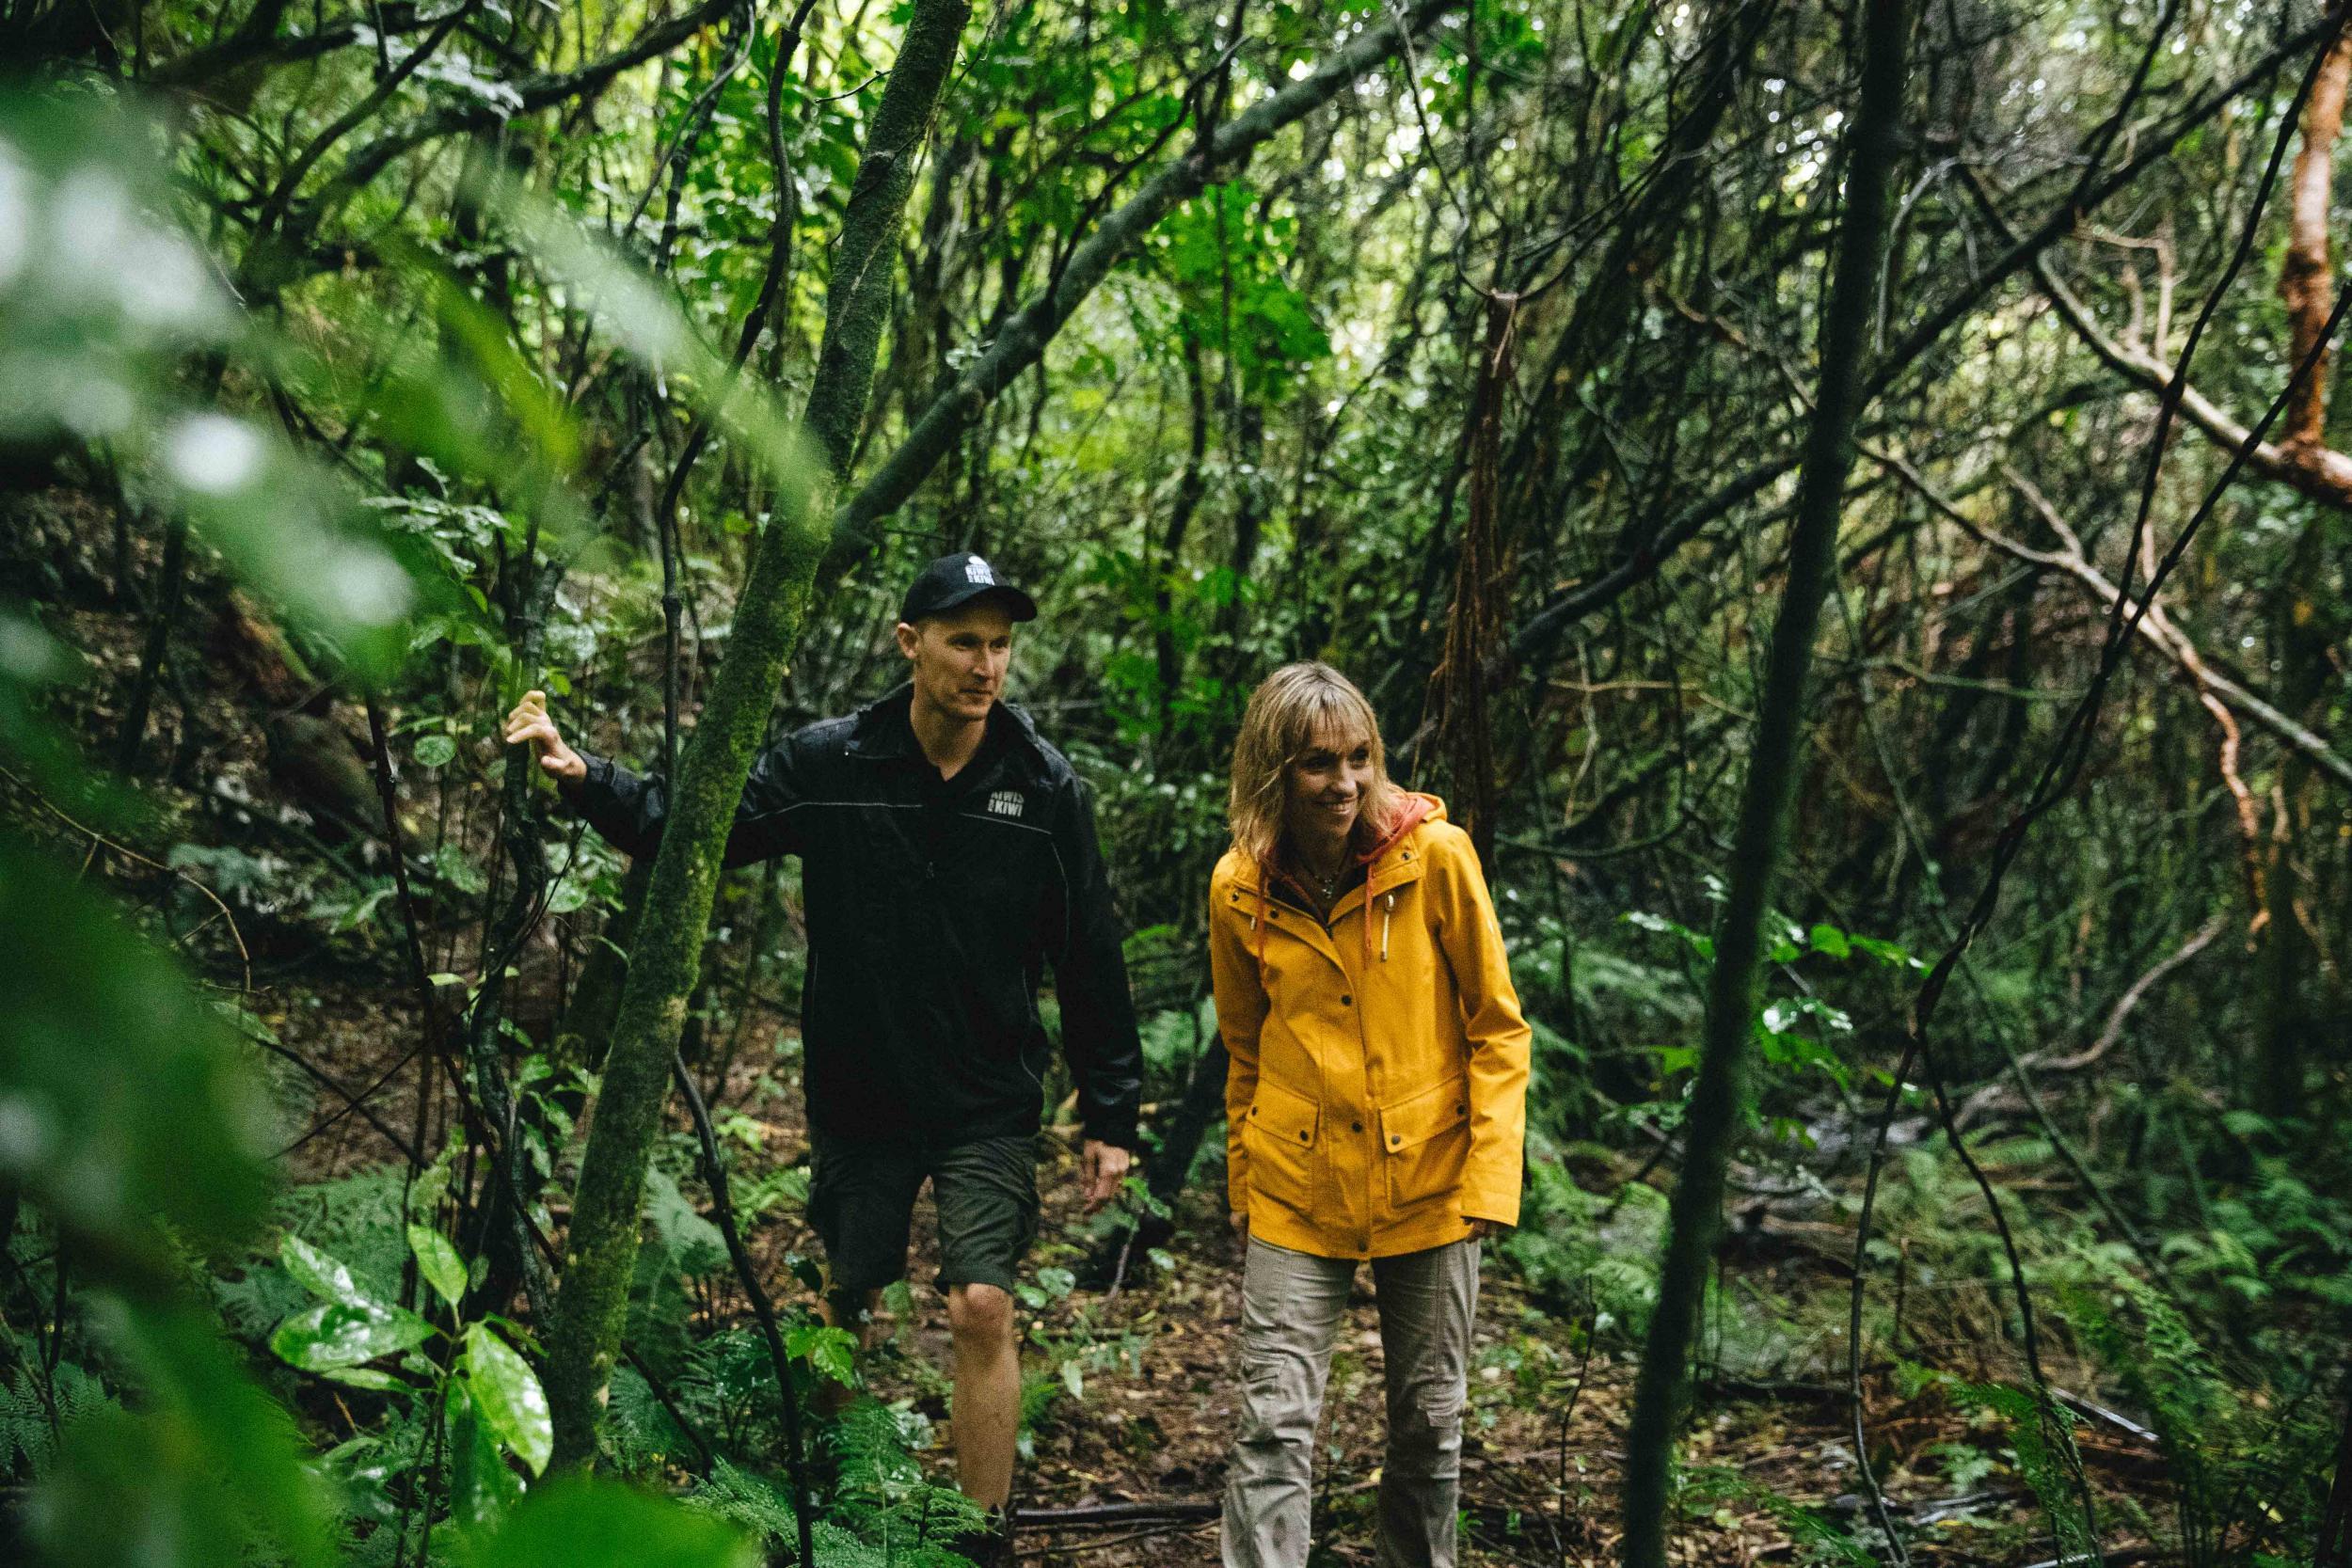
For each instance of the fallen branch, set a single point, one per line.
(2131, 998)
(1116, 1513)
(2100, 1413)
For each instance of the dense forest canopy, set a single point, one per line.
(1848, 505)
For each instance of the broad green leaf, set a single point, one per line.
(832, 1352)
(1830, 940)
(438, 1262)
(481, 1487)
(435, 750)
(1892, 954)
(507, 1393)
(325, 1277)
(362, 1377)
(580, 1522)
(334, 1334)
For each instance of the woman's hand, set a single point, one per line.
(1240, 1222)
(1481, 1229)
(529, 722)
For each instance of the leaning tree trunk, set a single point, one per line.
(600, 1252)
(1717, 1098)
(2301, 641)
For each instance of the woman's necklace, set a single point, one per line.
(1326, 888)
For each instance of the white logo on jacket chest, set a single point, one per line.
(1004, 802)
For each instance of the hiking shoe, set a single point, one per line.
(990, 1546)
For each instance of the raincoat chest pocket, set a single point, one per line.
(1424, 1142)
(1280, 1137)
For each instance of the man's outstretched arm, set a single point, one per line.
(629, 809)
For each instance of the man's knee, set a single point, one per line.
(980, 1314)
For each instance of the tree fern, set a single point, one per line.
(2239, 1459)
(882, 1493)
(640, 1436)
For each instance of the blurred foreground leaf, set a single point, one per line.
(582, 1523)
(115, 334)
(122, 1100)
(206, 1470)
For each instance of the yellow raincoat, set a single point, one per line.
(1377, 1096)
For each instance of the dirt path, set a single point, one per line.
(1157, 1412)
(1131, 1399)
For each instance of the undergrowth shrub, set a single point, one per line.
(1583, 1254)
(2247, 1444)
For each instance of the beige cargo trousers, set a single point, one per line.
(1292, 1304)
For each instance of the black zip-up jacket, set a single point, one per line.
(931, 907)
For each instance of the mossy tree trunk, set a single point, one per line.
(1719, 1095)
(601, 1251)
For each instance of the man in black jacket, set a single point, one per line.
(948, 853)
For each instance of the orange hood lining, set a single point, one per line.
(1415, 810)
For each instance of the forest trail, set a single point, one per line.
(1154, 1410)
(1154, 1431)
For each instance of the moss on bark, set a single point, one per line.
(600, 1250)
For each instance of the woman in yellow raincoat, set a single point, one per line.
(1376, 1105)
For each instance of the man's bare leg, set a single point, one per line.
(988, 1390)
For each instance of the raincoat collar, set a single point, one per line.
(1381, 862)
(1389, 864)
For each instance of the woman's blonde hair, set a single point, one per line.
(1291, 710)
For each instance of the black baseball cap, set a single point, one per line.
(955, 581)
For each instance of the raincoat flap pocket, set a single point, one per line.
(1438, 1109)
(1287, 1119)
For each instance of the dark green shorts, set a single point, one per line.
(862, 1198)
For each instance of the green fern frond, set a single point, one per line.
(2041, 1435)
(750, 1502)
(640, 1434)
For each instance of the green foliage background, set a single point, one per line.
(324, 332)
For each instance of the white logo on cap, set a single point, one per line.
(975, 570)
